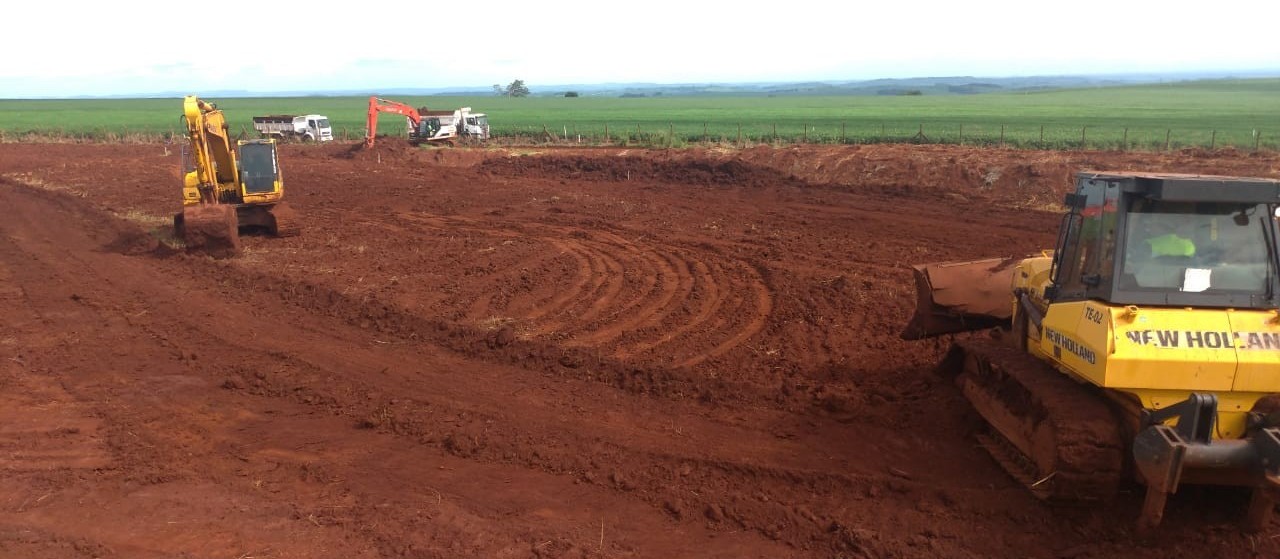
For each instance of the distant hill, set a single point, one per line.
(942, 85)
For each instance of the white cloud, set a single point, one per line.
(68, 46)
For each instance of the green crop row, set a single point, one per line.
(1239, 113)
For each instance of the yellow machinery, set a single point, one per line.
(1145, 346)
(223, 190)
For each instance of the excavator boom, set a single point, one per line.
(379, 105)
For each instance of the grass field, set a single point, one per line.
(1239, 113)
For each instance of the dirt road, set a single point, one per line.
(576, 353)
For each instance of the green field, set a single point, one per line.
(1239, 113)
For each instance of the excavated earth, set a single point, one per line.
(530, 353)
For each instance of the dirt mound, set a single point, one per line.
(383, 147)
(625, 168)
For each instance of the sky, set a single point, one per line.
(63, 48)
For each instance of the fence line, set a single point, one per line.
(1120, 138)
(743, 134)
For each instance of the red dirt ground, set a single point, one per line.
(504, 353)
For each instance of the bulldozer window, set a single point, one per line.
(1196, 247)
(1089, 245)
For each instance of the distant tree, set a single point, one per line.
(911, 92)
(517, 89)
(497, 90)
(571, 94)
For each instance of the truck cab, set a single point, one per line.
(318, 127)
(476, 126)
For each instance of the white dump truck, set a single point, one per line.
(450, 126)
(301, 128)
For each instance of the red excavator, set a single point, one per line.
(379, 105)
(447, 127)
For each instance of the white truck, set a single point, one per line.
(302, 128)
(450, 126)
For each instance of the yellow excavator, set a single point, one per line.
(1144, 347)
(223, 190)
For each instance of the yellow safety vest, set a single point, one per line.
(1171, 245)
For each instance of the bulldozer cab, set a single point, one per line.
(1173, 240)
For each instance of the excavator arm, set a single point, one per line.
(379, 105)
(214, 178)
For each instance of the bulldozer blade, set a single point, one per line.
(960, 297)
(211, 229)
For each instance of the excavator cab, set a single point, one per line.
(259, 169)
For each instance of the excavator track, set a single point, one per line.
(1055, 436)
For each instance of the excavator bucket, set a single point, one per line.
(284, 220)
(212, 229)
(960, 297)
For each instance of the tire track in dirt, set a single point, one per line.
(601, 281)
(759, 311)
(710, 297)
(620, 296)
(660, 283)
(42, 428)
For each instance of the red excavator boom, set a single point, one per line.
(379, 105)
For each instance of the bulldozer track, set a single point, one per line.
(1014, 462)
(1058, 437)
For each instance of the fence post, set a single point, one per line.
(806, 132)
(739, 134)
(842, 123)
(1041, 135)
(775, 133)
(1168, 134)
(1213, 141)
(1256, 137)
(1084, 142)
(671, 133)
(704, 131)
(1124, 144)
(1001, 135)
(606, 132)
(962, 134)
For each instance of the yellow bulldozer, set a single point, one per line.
(226, 188)
(1144, 347)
